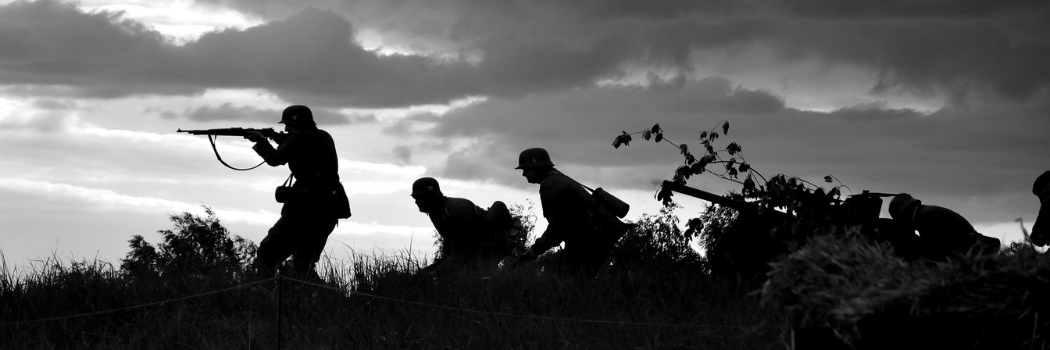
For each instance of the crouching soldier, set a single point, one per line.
(470, 236)
(573, 216)
(942, 232)
(1041, 228)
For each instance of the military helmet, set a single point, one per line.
(1042, 184)
(534, 158)
(298, 115)
(901, 206)
(426, 186)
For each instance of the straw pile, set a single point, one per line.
(864, 296)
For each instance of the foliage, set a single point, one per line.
(525, 216)
(195, 246)
(786, 210)
(379, 303)
(657, 242)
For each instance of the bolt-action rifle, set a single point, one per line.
(242, 132)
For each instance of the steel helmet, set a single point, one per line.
(534, 158)
(902, 205)
(298, 115)
(426, 186)
(1042, 184)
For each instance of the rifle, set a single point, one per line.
(242, 132)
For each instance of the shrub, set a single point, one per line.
(657, 242)
(195, 246)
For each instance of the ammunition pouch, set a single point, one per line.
(285, 193)
(288, 194)
(332, 198)
(610, 203)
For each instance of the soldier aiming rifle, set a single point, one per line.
(314, 199)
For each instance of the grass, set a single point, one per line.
(649, 309)
(844, 292)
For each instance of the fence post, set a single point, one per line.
(279, 289)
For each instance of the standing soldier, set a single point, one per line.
(313, 204)
(470, 236)
(1041, 230)
(573, 216)
(942, 231)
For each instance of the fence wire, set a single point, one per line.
(139, 306)
(504, 314)
(403, 301)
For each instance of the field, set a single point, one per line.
(516, 309)
(196, 290)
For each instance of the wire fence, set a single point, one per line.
(350, 293)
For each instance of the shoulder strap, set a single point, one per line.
(288, 182)
(212, 139)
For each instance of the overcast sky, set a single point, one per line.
(946, 100)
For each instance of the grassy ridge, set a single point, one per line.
(845, 290)
(319, 318)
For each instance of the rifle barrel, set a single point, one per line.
(710, 197)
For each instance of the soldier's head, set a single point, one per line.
(427, 194)
(534, 163)
(1041, 187)
(1041, 228)
(297, 117)
(903, 206)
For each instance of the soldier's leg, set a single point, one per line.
(314, 237)
(279, 243)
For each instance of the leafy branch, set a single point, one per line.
(778, 191)
(731, 167)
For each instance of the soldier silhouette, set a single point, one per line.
(942, 232)
(313, 204)
(470, 236)
(1041, 229)
(573, 216)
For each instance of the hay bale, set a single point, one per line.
(867, 297)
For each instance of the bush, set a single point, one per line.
(658, 243)
(195, 246)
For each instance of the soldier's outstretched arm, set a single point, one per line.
(274, 156)
(554, 235)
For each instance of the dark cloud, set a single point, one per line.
(831, 9)
(927, 57)
(54, 104)
(408, 125)
(403, 154)
(310, 56)
(926, 46)
(230, 112)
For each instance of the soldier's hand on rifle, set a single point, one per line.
(255, 136)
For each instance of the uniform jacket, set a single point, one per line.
(568, 208)
(463, 229)
(311, 156)
(942, 232)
